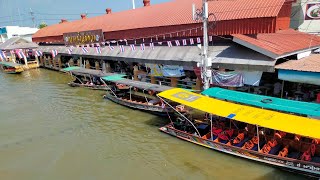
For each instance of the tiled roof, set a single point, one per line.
(308, 64)
(177, 12)
(280, 44)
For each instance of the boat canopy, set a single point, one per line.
(290, 106)
(264, 118)
(83, 71)
(138, 84)
(10, 64)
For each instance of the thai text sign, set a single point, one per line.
(83, 37)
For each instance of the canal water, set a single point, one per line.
(49, 130)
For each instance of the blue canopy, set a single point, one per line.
(278, 104)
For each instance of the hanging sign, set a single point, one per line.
(173, 71)
(313, 11)
(83, 37)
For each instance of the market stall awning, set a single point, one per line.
(17, 43)
(267, 102)
(264, 118)
(305, 70)
(280, 44)
(229, 56)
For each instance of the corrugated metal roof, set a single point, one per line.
(177, 12)
(308, 64)
(226, 55)
(280, 44)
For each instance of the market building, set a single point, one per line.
(247, 39)
(8, 32)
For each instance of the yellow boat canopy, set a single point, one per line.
(264, 118)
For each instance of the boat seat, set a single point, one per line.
(275, 150)
(294, 155)
(315, 159)
(240, 144)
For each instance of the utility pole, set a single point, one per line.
(206, 63)
(32, 17)
(133, 5)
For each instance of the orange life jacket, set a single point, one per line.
(267, 148)
(306, 156)
(250, 144)
(216, 131)
(283, 152)
(238, 139)
(280, 134)
(226, 135)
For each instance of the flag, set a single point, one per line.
(142, 46)
(121, 48)
(177, 43)
(98, 50)
(69, 51)
(191, 41)
(3, 56)
(84, 50)
(111, 47)
(184, 42)
(54, 53)
(21, 54)
(210, 38)
(151, 45)
(133, 48)
(169, 43)
(198, 40)
(38, 53)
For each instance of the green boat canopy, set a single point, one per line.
(9, 64)
(115, 77)
(70, 68)
(267, 102)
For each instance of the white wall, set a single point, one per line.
(12, 31)
(298, 20)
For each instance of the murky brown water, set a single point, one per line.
(49, 130)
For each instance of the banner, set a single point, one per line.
(155, 69)
(229, 79)
(173, 71)
(312, 11)
(251, 77)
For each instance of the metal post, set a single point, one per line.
(258, 138)
(282, 88)
(205, 64)
(211, 138)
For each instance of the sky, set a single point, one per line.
(19, 12)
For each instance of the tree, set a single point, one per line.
(42, 25)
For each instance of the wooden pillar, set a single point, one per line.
(59, 63)
(153, 80)
(198, 84)
(79, 62)
(50, 62)
(108, 68)
(41, 61)
(37, 59)
(174, 81)
(71, 62)
(87, 64)
(135, 73)
(54, 62)
(97, 64)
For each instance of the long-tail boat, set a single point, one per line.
(280, 139)
(11, 67)
(87, 78)
(136, 94)
(266, 102)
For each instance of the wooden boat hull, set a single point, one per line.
(94, 87)
(310, 169)
(157, 110)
